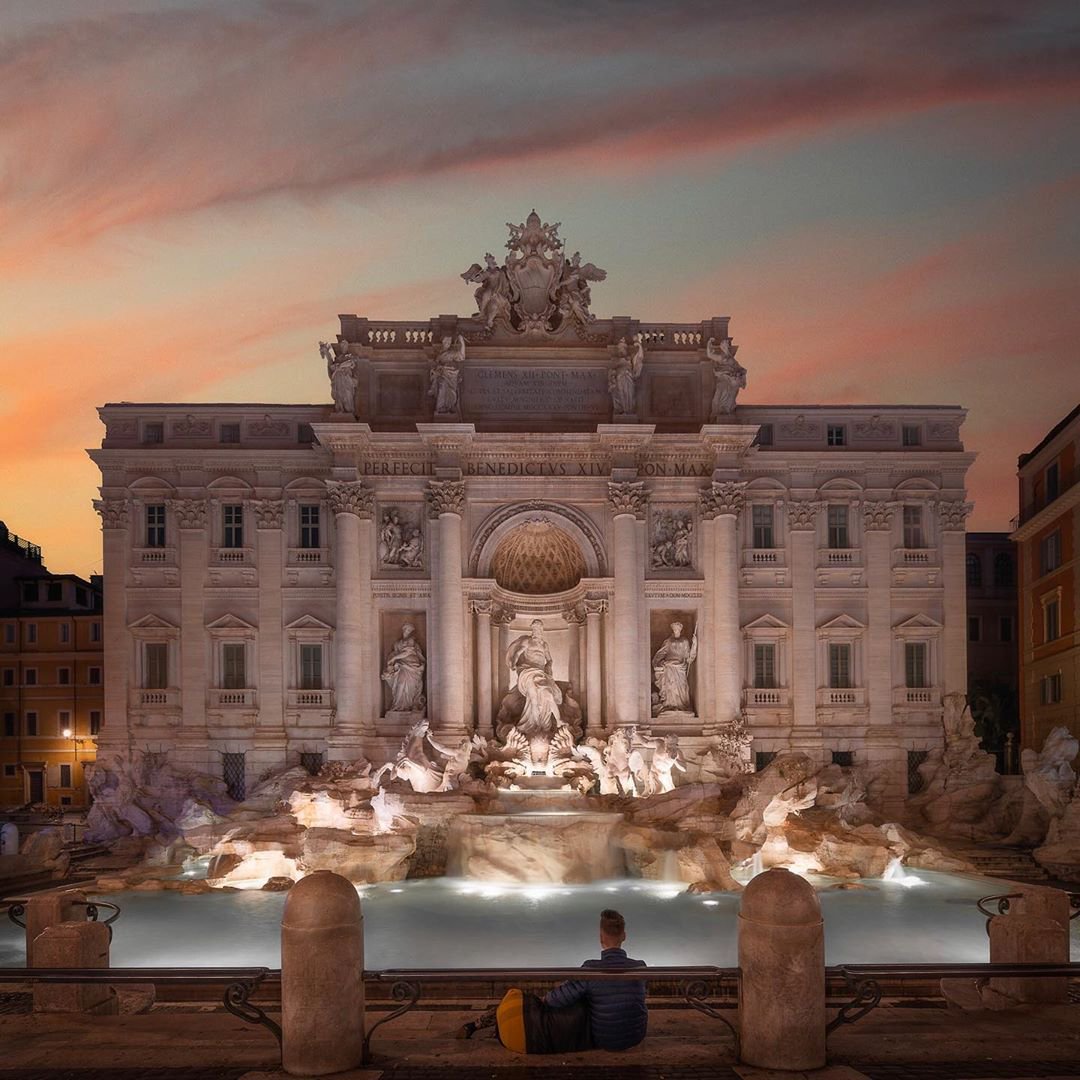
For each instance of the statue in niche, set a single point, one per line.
(572, 294)
(530, 658)
(730, 377)
(493, 292)
(404, 673)
(446, 375)
(623, 377)
(343, 378)
(671, 671)
(671, 541)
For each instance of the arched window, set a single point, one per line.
(974, 569)
(1004, 569)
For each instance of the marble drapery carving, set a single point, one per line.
(671, 672)
(341, 370)
(404, 673)
(445, 379)
(730, 377)
(624, 375)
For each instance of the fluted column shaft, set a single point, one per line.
(628, 501)
(593, 672)
(447, 501)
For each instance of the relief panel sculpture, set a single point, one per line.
(672, 543)
(401, 538)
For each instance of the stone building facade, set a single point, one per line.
(531, 463)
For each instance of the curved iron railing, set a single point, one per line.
(16, 910)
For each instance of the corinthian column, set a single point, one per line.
(482, 638)
(114, 527)
(953, 517)
(593, 670)
(269, 515)
(802, 521)
(353, 506)
(877, 527)
(722, 502)
(446, 502)
(628, 501)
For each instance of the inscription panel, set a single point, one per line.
(521, 391)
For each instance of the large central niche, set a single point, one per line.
(537, 558)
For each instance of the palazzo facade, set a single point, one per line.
(478, 474)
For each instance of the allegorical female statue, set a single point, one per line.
(446, 374)
(343, 379)
(730, 377)
(530, 658)
(671, 670)
(404, 673)
(623, 377)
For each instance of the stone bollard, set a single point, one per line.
(51, 909)
(781, 973)
(322, 984)
(74, 945)
(1029, 939)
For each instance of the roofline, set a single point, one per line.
(1052, 434)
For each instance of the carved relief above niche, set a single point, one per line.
(671, 538)
(401, 537)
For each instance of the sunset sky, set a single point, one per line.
(884, 197)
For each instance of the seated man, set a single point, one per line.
(578, 1014)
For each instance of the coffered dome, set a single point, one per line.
(537, 558)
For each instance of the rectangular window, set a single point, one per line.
(155, 525)
(232, 520)
(9, 770)
(1005, 628)
(30, 677)
(63, 676)
(233, 672)
(838, 525)
(31, 723)
(9, 676)
(80, 596)
(63, 722)
(911, 435)
(913, 527)
(230, 433)
(1053, 478)
(54, 592)
(65, 800)
(309, 525)
(9, 725)
(232, 772)
(93, 676)
(974, 628)
(153, 432)
(1051, 689)
(31, 633)
(65, 776)
(839, 665)
(765, 667)
(155, 665)
(845, 758)
(95, 721)
(1050, 552)
(9, 633)
(762, 521)
(65, 633)
(310, 667)
(765, 435)
(836, 435)
(95, 631)
(30, 592)
(915, 674)
(1051, 621)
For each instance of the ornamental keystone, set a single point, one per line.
(445, 497)
(629, 498)
(351, 497)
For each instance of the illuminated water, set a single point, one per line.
(446, 922)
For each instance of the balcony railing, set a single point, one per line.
(759, 697)
(220, 698)
(852, 697)
(763, 557)
(233, 556)
(308, 556)
(149, 556)
(839, 557)
(924, 696)
(310, 699)
(915, 556)
(147, 698)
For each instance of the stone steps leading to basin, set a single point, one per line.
(1012, 863)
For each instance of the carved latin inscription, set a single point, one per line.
(536, 390)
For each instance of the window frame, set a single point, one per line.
(836, 435)
(768, 530)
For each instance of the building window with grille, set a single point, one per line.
(1005, 628)
(911, 435)
(65, 776)
(837, 518)
(765, 667)
(762, 522)
(31, 723)
(913, 527)
(840, 665)
(846, 758)
(155, 525)
(915, 666)
(1050, 552)
(974, 570)
(232, 519)
(1050, 687)
(836, 435)
(312, 762)
(309, 525)
(1004, 570)
(233, 666)
(311, 677)
(155, 665)
(232, 772)
(1051, 620)
(229, 433)
(915, 781)
(95, 721)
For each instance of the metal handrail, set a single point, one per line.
(16, 910)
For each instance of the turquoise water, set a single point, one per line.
(447, 922)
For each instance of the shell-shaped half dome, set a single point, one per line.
(537, 558)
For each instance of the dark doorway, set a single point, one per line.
(37, 785)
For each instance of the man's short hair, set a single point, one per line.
(612, 924)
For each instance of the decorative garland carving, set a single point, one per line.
(802, 515)
(954, 515)
(351, 497)
(114, 513)
(878, 516)
(445, 497)
(575, 614)
(269, 513)
(629, 498)
(722, 497)
(190, 513)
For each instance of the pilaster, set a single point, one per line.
(269, 543)
(191, 520)
(115, 528)
(802, 525)
(628, 502)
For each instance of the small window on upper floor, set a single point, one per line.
(1005, 628)
(95, 721)
(10, 635)
(974, 570)
(153, 432)
(55, 591)
(93, 676)
(1050, 552)
(836, 435)
(155, 525)
(911, 435)
(762, 525)
(30, 592)
(63, 676)
(30, 676)
(309, 525)
(95, 631)
(1053, 478)
(1051, 620)
(229, 433)
(7, 678)
(1004, 570)
(913, 526)
(764, 435)
(31, 633)
(64, 633)
(80, 596)
(837, 523)
(974, 628)
(232, 523)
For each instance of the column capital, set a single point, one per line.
(878, 516)
(482, 607)
(595, 607)
(114, 513)
(269, 513)
(802, 516)
(954, 515)
(190, 513)
(630, 497)
(722, 497)
(575, 615)
(445, 497)
(502, 616)
(351, 497)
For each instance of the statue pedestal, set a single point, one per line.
(674, 722)
(397, 723)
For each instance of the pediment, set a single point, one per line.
(843, 622)
(230, 622)
(766, 622)
(152, 622)
(919, 622)
(308, 622)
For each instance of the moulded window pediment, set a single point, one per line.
(230, 622)
(919, 623)
(309, 622)
(841, 622)
(153, 623)
(228, 483)
(767, 623)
